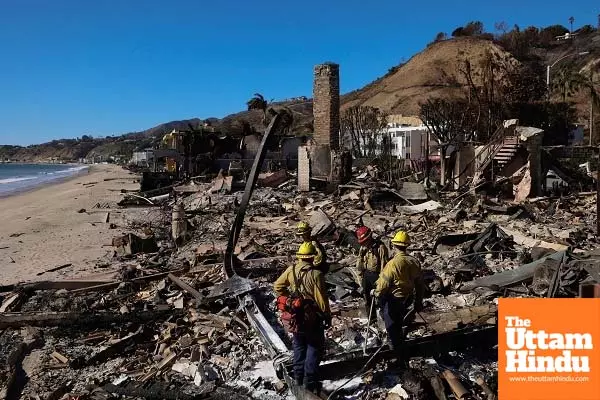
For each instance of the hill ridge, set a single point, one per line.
(432, 72)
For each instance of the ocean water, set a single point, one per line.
(19, 177)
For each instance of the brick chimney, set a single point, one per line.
(326, 105)
(322, 157)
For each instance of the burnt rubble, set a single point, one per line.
(174, 323)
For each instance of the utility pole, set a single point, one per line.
(591, 119)
(592, 96)
(427, 157)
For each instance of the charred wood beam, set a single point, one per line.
(7, 288)
(54, 269)
(116, 348)
(243, 264)
(161, 391)
(82, 319)
(64, 284)
(158, 191)
(185, 286)
(115, 284)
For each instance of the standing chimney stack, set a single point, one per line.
(322, 158)
(326, 105)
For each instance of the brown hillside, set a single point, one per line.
(430, 73)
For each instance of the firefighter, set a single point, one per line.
(399, 286)
(304, 284)
(304, 231)
(372, 256)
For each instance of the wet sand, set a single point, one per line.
(42, 228)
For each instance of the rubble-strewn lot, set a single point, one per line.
(173, 324)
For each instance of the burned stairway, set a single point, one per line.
(498, 153)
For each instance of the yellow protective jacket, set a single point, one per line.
(400, 277)
(311, 284)
(372, 258)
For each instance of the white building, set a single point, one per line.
(408, 141)
(143, 157)
(409, 137)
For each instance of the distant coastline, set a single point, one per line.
(21, 177)
(36, 162)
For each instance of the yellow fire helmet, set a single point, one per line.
(302, 228)
(401, 238)
(306, 250)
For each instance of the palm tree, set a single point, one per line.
(566, 83)
(258, 102)
(571, 20)
(288, 119)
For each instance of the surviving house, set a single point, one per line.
(143, 157)
(409, 136)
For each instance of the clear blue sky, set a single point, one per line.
(104, 67)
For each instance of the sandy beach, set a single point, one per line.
(42, 229)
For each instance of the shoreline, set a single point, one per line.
(41, 185)
(46, 227)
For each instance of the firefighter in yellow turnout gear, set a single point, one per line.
(372, 256)
(304, 231)
(304, 283)
(399, 284)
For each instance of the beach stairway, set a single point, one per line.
(498, 152)
(506, 151)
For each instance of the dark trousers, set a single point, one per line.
(308, 351)
(368, 283)
(393, 310)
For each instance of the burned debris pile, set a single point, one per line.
(153, 334)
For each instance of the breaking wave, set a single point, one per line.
(11, 180)
(18, 177)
